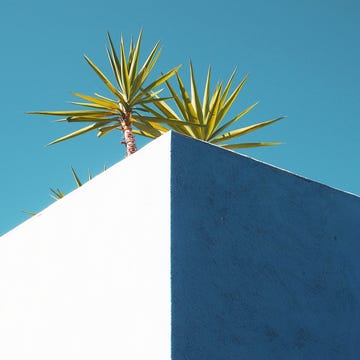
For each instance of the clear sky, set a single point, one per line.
(303, 58)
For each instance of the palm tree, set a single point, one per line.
(208, 114)
(131, 97)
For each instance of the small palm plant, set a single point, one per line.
(58, 194)
(208, 114)
(132, 97)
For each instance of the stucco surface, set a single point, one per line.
(190, 252)
(265, 264)
(88, 278)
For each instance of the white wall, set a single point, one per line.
(89, 277)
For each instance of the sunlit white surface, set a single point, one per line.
(89, 277)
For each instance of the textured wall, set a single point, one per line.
(265, 264)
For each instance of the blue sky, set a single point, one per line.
(303, 58)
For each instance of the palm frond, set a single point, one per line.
(211, 113)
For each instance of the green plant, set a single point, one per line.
(138, 109)
(209, 113)
(58, 194)
(132, 96)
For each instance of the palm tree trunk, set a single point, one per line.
(129, 138)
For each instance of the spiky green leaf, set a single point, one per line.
(232, 121)
(74, 113)
(243, 131)
(77, 133)
(106, 104)
(249, 145)
(107, 129)
(76, 178)
(106, 81)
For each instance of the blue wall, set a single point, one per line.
(265, 264)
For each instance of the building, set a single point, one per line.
(185, 251)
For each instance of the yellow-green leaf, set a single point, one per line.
(148, 129)
(243, 131)
(106, 130)
(249, 145)
(226, 106)
(73, 113)
(206, 99)
(90, 119)
(232, 121)
(124, 70)
(106, 104)
(76, 178)
(135, 59)
(161, 80)
(77, 133)
(106, 81)
(213, 112)
(114, 62)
